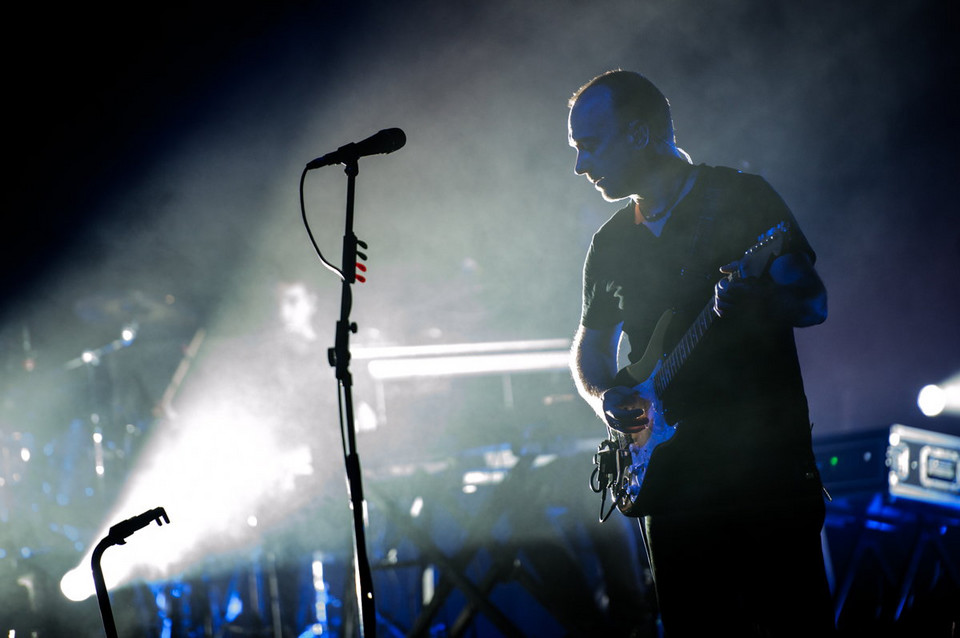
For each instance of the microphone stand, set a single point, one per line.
(339, 357)
(103, 596)
(117, 535)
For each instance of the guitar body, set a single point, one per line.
(636, 449)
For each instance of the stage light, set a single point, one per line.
(321, 597)
(390, 363)
(76, 584)
(234, 607)
(128, 334)
(932, 400)
(416, 507)
(936, 399)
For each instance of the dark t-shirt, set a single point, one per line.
(743, 436)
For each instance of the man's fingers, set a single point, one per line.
(629, 421)
(632, 427)
(729, 269)
(620, 413)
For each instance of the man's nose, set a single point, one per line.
(581, 165)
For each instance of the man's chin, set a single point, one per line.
(612, 197)
(608, 195)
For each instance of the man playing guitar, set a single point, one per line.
(726, 489)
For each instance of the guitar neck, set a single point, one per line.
(753, 264)
(678, 356)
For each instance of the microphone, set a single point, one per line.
(386, 141)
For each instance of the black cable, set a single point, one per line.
(613, 505)
(306, 224)
(600, 478)
(339, 273)
(343, 420)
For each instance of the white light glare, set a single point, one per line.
(210, 494)
(128, 334)
(416, 507)
(466, 359)
(934, 400)
(76, 584)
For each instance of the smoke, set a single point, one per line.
(476, 228)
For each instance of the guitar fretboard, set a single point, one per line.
(758, 257)
(678, 356)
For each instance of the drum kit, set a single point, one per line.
(72, 414)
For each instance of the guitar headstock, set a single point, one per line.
(768, 247)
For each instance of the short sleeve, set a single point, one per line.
(601, 308)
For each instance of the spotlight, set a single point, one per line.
(932, 400)
(128, 334)
(77, 585)
(416, 507)
(935, 399)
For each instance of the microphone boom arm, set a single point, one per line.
(118, 535)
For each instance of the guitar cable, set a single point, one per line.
(606, 470)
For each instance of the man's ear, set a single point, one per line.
(638, 134)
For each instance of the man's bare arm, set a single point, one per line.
(594, 362)
(594, 367)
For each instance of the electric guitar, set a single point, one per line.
(622, 459)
